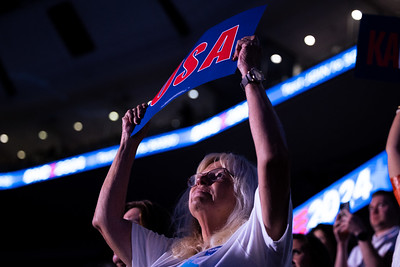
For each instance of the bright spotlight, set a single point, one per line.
(113, 116)
(4, 138)
(309, 40)
(21, 154)
(78, 126)
(356, 14)
(42, 135)
(275, 58)
(193, 94)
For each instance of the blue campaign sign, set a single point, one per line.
(378, 48)
(210, 59)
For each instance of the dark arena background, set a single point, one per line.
(65, 66)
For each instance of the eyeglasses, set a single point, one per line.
(209, 177)
(379, 205)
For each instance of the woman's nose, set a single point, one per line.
(201, 179)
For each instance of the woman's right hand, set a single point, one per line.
(132, 118)
(248, 54)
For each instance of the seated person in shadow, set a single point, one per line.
(308, 251)
(324, 232)
(149, 215)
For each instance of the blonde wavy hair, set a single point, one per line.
(188, 231)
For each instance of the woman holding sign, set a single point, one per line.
(237, 214)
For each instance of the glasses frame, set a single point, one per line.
(192, 181)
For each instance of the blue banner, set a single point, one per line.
(210, 59)
(378, 48)
(356, 188)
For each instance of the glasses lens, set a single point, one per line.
(215, 174)
(192, 180)
(211, 176)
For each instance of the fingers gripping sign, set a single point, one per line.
(248, 53)
(132, 118)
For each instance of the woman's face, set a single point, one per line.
(216, 199)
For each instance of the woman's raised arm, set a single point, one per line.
(271, 150)
(108, 216)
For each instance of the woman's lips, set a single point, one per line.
(201, 191)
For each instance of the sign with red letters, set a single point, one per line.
(210, 59)
(378, 48)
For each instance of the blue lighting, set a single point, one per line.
(355, 188)
(186, 136)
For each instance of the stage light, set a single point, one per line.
(42, 135)
(297, 69)
(78, 126)
(21, 154)
(4, 138)
(356, 14)
(113, 116)
(193, 94)
(309, 40)
(276, 59)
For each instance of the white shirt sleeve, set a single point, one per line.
(260, 246)
(147, 246)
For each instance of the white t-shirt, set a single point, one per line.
(249, 246)
(383, 244)
(396, 255)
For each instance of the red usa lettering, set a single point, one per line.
(221, 51)
(190, 63)
(165, 87)
(222, 48)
